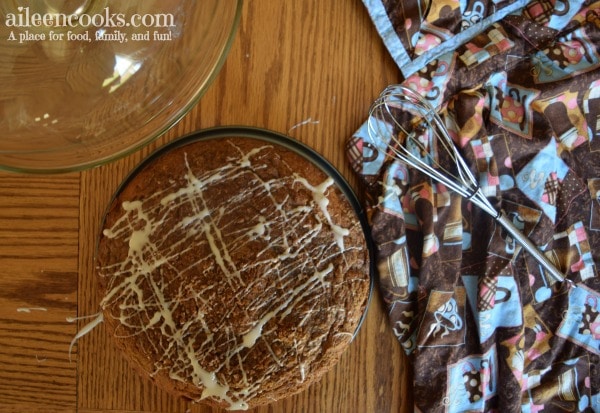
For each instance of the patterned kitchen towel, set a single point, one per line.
(518, 86)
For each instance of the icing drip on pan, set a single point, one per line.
(166, 293)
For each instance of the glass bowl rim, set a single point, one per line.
(173, 120)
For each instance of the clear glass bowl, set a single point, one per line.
(84, 82)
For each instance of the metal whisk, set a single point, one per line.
(404, 124)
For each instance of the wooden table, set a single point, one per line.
(307, 68)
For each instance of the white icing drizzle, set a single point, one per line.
(249, 339)
(150, 289)
(322, 201)
(302, 371)
(30, 309)
(99, 318)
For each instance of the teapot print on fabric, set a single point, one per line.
(512, 106)
(590, 318)
(477, 380)
(473, 15)
(431, 80)
(569, 52)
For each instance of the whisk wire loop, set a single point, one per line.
(406, 126)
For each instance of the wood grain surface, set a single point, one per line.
(309, 69)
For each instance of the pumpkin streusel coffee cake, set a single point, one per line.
(233, 271)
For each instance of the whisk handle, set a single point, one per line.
(503, 220)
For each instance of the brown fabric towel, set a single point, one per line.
(519, 90)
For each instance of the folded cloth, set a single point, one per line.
(518, 86)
